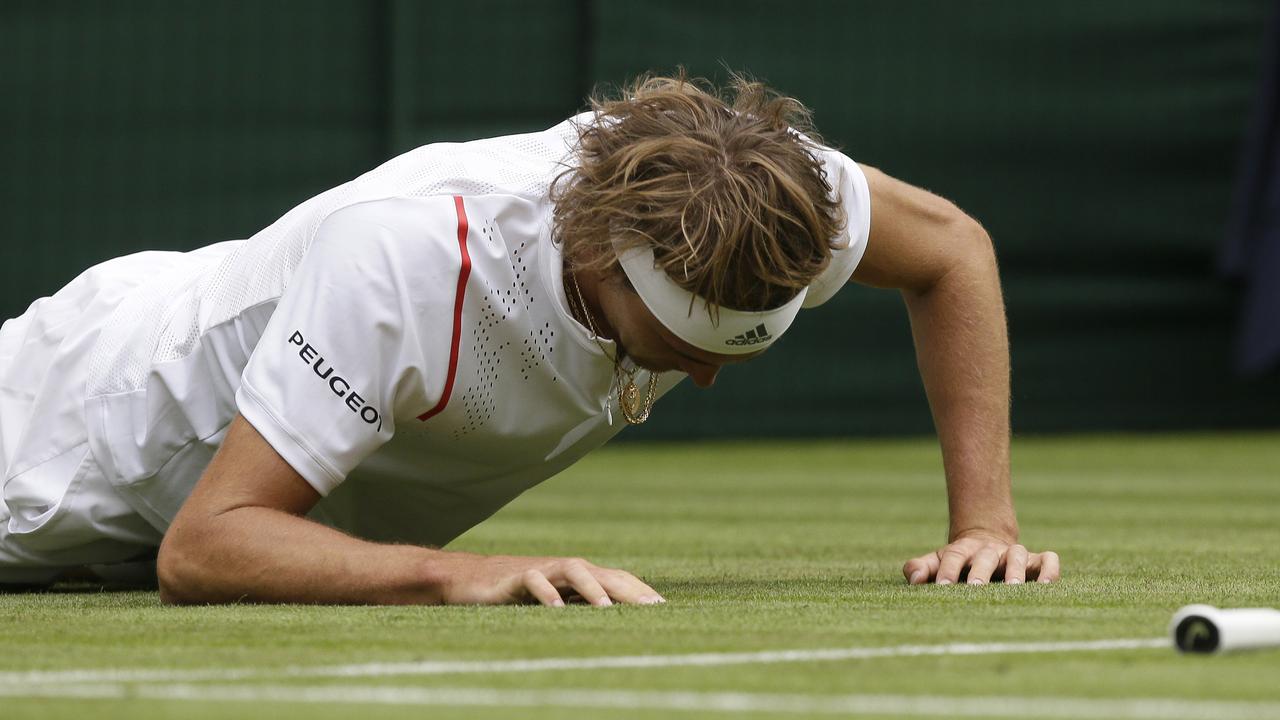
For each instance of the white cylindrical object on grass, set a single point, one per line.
(1207, 629)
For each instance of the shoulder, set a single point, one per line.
(420, 246)
(398, 233)
(393, 218)
(382, 252)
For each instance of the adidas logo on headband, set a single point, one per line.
(751, 337)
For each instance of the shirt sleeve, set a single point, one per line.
(849, 185)
(360, 337)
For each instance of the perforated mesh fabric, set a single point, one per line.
(499, 302)
(521, 165)
(194, 292)
(138, 330)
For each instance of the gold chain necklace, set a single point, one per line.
(634, 410)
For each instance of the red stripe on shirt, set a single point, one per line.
(463, 274)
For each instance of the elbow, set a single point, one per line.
(968, 258)
(177, 571)
(971, 244)
(978, 241)
(169, 573)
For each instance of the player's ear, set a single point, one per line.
(617, 275)
(613, 277)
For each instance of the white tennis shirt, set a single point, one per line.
(403, 341)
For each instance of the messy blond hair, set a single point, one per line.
(732, 199)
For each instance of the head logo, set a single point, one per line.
(751, 337)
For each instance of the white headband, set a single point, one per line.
(728, 332)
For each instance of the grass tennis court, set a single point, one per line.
(757, 547)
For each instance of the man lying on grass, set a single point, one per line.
(310, 414)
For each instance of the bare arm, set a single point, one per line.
(944, 264)
(241, 535)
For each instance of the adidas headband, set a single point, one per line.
(728, 332)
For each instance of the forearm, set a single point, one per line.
(962, 348)
(258, 554)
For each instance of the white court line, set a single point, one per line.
(726, 702)
(447, 667)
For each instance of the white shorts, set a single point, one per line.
(57, 510)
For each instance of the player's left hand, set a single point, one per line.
(985, 557)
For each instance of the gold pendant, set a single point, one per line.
(635, 410)
(629, 398)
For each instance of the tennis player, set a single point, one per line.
(310, 414)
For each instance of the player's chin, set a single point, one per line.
(652, 366)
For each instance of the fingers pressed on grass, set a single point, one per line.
(585, 583)
(951, 564)
(1050, 569)
(984, 563)
(625, 587)
(1015, 565)
(541, 589)
(645, 593)
(920, 570)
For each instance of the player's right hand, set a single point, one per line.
(981, 559)
(467, 579)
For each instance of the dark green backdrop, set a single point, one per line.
(1096, 140)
